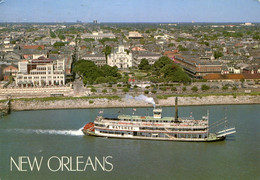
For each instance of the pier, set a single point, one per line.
(6, 107)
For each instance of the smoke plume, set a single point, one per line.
(141, 98)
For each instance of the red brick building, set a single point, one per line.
(196, 67)
(9, 71)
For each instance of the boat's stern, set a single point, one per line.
(89, 129)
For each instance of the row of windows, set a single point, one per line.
(41, 68)
(145, 120)
(170, 129)
(38, 72)
(111, 132)
(42, 77)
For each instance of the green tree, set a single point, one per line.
(111, 80)
(144, 65)
(162, 61)
(52, 34)
(154, 91)
(194, 88)
(218, 54)
(163, 88)
(204, 87)
(107, 50)
(173, 89)
(39, 48)
(174, 73)
(101, 79)
(125, 90)
(181, 48)
(225, 87)
(93, 90)
(110, 71)
(102, 41)
(59, 44)
(91, 73)
(114, 90)
(89, 39)
(171, 45)
(61, 36)
(88, 71)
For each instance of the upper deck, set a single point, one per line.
(151, 121)
(154, 120)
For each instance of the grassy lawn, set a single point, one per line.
(212, 94)
(67, 98)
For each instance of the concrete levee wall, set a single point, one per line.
(105, 103)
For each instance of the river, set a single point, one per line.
(54, 137)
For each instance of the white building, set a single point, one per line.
(40, 72)
(98, 35)
(120, 58)
(134, 35)
(7, 41)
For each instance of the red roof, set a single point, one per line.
(251, 76)
(231, 76)
(223, 76)
(42, 59)
(131, 80)
(138, 49)
(170, 53)
(34, 47)
(10, 69)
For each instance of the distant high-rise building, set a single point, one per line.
(78, 22)
(95, 22)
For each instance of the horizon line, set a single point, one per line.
(145, 22)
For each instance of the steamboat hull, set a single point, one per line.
(155, 127)
(211, 138)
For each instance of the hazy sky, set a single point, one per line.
(130, 10)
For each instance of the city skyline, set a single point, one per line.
(130, 11)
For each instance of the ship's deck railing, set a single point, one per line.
(158, 131)
(164, 125)
(184, 122)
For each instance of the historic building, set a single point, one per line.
(150, 56)
(120, 58)
(196, 67)
(134, 35)
(40, 72)
(98, 59)
(98, 35)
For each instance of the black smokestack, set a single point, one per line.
(176, 109)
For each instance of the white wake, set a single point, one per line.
(76, 132)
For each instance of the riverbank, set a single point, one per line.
(115, 101)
